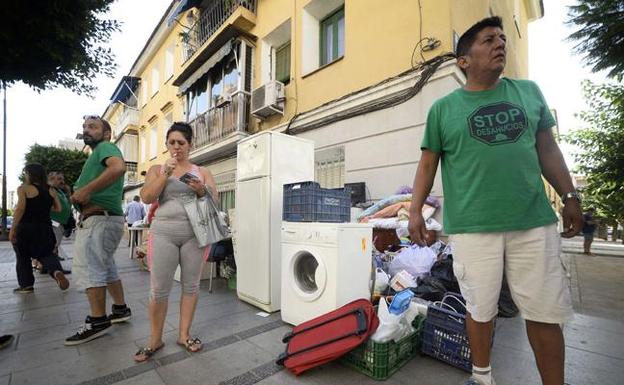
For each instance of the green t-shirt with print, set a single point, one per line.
(63, 215)
(490, 169)
(110, 197)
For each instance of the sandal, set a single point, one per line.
(192, 345)
(145, 354)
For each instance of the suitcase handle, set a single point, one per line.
(361, 328)
(360, 317)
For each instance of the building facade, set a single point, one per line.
(340, 72)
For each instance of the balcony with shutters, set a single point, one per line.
(219, 21)
(217, 131)
(131, 177)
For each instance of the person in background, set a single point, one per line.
(494, 140)
(97, 195)
(32, 229)
(59, 220)
(135, 211)
(173, 240)
(589, 228)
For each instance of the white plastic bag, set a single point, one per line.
(391, 326)
(381, 281)
(415, 260)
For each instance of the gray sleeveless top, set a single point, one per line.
(170, 208)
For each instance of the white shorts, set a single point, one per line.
(532, 262)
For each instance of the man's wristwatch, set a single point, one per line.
(574, 194)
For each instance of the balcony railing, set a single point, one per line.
(129, 116)
(210, 20)
(131, 176)
(217, 123)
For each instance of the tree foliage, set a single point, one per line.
(53, 43)
(600, 145)
(69, 162)
(600, 34)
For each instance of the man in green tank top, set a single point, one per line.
(494, 140)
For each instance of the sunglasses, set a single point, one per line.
(96, 117)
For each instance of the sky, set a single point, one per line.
(53, 115)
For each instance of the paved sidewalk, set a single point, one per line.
(599, 247)
(240, 346)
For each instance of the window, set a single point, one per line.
(329, 167)
(153, 141)
(226, 187)
(167, 122)
(169, 61)
(282, 63)
(332, 37)
(197, 98)
(223, 80)
(155, 80)
(142, 141)
(143, 92)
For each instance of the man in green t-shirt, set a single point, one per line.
(59, 219)
(494, 140)
(97, 195)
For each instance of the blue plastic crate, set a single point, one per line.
(308, 202)
(444, 336)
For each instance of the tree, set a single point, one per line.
(600, 144)
(69, 162)
(53, 43)
(600, 35)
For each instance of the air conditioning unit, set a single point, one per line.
(268, 100)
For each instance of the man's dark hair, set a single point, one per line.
(468, 38)
(106, 125)
(136, 198)
(183, 128)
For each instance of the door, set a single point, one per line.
(253, 261)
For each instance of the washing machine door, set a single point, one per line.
(307, 275)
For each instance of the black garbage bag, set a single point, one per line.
(443, 270)
(506, 306)
(429, 288)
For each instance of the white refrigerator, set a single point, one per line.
(265, 162)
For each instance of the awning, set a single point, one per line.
(204, 68)
(125, 88)
(183, 5)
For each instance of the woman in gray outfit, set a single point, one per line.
(172, 239)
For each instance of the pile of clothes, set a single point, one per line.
(392, 213)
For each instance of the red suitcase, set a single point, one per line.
(328, 337)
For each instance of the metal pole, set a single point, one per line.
(4, 179)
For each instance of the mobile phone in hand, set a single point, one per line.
(186, 178)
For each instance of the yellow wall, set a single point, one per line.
(380, 37)
(163, 102)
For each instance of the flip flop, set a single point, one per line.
(145, 354)
(192, 345)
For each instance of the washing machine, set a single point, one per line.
(324, 266)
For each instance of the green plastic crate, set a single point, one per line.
(381, 360)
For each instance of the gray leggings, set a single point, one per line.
(173, 244)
